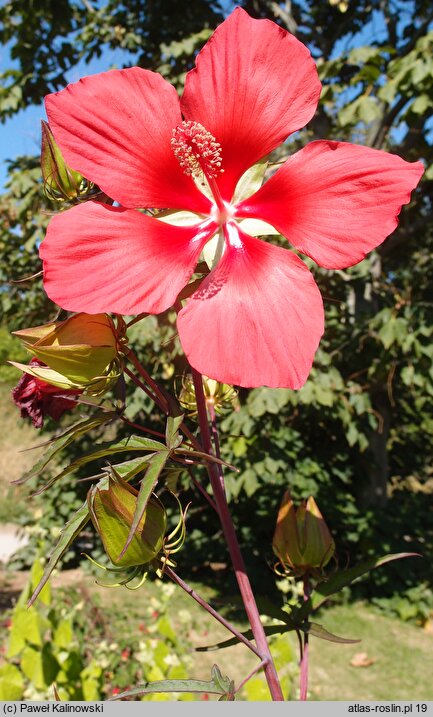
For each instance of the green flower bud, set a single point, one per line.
(112, 512)
(80, 352)
(302, 540)
(219, 395)
(61, 183)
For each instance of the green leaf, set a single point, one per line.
(172, 431)
(63, 634)
(218, 685)
(11, 683)
(268, 608)
(27, 628)
(129, 469)
(64, 439)
(204, 457)
(68, 534)
(146, 487)
(132, 443)
(267, 400)
(269, 630)
(319, 631)
(362, 109)
(340, 579)
(224, 683)
(421, 104)
(250, 181)
(39, 666)
(395, 330)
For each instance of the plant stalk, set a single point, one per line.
(182, 584)
(216, 479)
(303, 680)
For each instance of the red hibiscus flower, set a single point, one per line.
(258, 317)
(37, 399)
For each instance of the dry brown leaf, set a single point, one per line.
(361, 659)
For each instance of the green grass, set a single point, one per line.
(402, 654)
(17, 434)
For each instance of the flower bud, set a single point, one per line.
(302, 540)
(80, 352)
(61, 183)
(219, 395)
(112, 512)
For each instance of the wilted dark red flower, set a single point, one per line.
(37, 399)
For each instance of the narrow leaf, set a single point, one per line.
(217, 687)
(146, 487)
(132, 443)
(345, 577)
(172, 431)
(224, 683)
(319, 631)
(129, 469)
(205, 457)
(67, 535)
(269, 630)
(266, 607)
(63, 440)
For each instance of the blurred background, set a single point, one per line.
(358, 435)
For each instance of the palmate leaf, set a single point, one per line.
(132, 443)
(63, 440)
(217, 685)
(340, 579)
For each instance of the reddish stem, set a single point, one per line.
(215, 476)
(176, 579)
(303, 680)
(141, 428)
(215, 437)
(162, 401)
(204, 492)
(143, 387)
(252, 673)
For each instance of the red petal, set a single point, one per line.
(335, 201)
(256, 320)
(99, 258)
(254, 84)
(115, 128)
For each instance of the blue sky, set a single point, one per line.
(22, 134)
